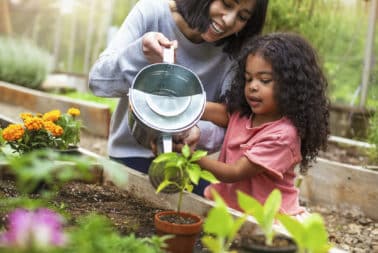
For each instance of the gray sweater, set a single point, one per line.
(113, 73)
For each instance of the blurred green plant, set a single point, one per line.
(219, 236)
(373, 137)
(310, 235)
(23, 63)
(88, 96)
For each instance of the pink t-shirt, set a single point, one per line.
(276, 147)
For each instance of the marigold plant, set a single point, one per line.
(49, 130)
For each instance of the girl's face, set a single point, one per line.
(227, 17)
(259, 88)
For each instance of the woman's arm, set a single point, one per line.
(230, 173)
(216, 113)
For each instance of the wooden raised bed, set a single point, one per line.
(95, 116)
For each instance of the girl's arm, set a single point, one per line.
(216, 113)
(230, 173)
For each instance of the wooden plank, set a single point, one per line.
(343, 185)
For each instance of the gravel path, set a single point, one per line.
(349, 229)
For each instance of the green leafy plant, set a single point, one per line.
(219, 235)
(23, 63)
(50, 130)
(264, 214)
(181, 170)
(310, 235)
(373, 137)
(53, 168)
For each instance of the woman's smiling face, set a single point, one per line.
(227, 17)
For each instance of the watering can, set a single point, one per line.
(165, 100)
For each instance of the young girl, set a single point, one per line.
(276, 114)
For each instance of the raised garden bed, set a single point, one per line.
(95, 116)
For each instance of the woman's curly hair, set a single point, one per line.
(300, 88)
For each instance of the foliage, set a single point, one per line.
(335, 31)
(23, 63)
(264, 214)
(310, 235)
(94, 233)
(182, 170)
(373, 137)
(219, 235)
(111, 102)
(53, 168)
(34, 231)
(50, 130)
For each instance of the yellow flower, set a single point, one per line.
(73, 112)
(13, 132)
(25, 115)
(33, 124)
(54, 129)
(51, 115)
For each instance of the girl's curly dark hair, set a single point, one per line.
(300, 88)
(196, 14)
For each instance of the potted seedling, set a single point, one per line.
(310, 235)
(268, 240)
(219, 236)
(182, 172)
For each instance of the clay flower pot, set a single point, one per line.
(184, 234)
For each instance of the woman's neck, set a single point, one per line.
(191, 34)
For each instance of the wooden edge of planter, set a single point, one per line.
(342, 185)
(95, 116)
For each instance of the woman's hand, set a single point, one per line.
(153, 44)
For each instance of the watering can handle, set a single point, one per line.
(165, 144)
(169, 55)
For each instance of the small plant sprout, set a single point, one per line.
(220, 234)
(310, 235)
(264, 214)
(182, 171)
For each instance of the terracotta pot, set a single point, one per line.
(185, 234)
(256, 244)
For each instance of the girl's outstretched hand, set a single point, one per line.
(153, 44)
(190, 137)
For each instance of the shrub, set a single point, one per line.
(23, 63)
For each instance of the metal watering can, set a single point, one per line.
(165, 100)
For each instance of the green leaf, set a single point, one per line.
(186, 151)
(194, 172)
(208, 176)
(198, 155)
(316, 234)
(212, 243)
(295, 229)
(162, 185)
(251, 206)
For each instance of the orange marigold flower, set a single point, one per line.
(13, 132)
(73, 112)
(51, 115)
(54, 129)
(25, 115)
(33, 123)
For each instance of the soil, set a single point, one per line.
(348, 229)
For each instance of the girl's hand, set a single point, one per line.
(152, 46)
(190, 137)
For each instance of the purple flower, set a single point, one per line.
(40, 228)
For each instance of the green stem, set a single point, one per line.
(179, 201)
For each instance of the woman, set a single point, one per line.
(207, 33)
